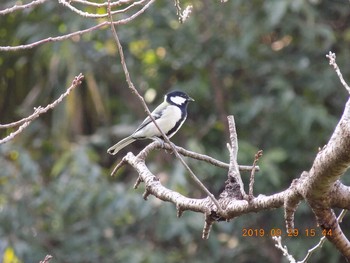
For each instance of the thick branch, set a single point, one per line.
(332, 161)
(329, 165)
(154, 187)
(232, 206)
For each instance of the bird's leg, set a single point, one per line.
(157, 139)
(160, 140)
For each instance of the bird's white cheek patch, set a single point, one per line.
(178, 100)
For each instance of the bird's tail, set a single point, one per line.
(120, 145)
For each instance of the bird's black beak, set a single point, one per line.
(190, 99)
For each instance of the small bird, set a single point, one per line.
(169, 115)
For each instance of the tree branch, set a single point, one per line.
(234, 185)
(38, 111)
(47, 259)
(252, 174)
(165, 137)
(233, 206)
(201, 157)
(329, 165)
(104, 4)
(91, 15)
(77, 33)
(331, 56)
(21, 7)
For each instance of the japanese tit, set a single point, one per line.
(169, 115)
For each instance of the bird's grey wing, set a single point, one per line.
(156, 114)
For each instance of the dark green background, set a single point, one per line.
(262, 61)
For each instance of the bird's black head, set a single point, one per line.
(177, 98)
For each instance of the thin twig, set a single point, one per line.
(252, 174)
(104, 4)
(20, 122)
(322, 240)
(166, 139)
(21, 7)
(187, 153)
(118, 166)
(284, 249)
(206, 158)
(331, 56)
(47, 259)
(91, 15)
(40, 110)
(178, 7)
(77, 33)
(183, 15)
(138, 181)
(15, 133)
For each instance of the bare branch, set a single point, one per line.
(233, 136)
(322, 240)
(329, 165)
(20, 122)
(165, 137)
(118, 166)
(204, 158)
(234, 177)
(15, 133)
(104, 4)
(77, 33)
(21, 7)
(155, 188)
(137, 183)
(331, 56)
(284, 249)
(233, 208)
(90, 15)
(317, 186)
(292, 201)
(208, 223)
(47, 259)
(251, 182)
(38, 111)
(183, 15)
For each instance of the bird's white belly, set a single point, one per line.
(170, 116)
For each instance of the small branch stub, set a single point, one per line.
(138, 181)
(252, 174)
(331, 56)
(179, 211)
(47, 259)
(207, 226)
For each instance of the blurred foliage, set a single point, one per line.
(263, 61)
